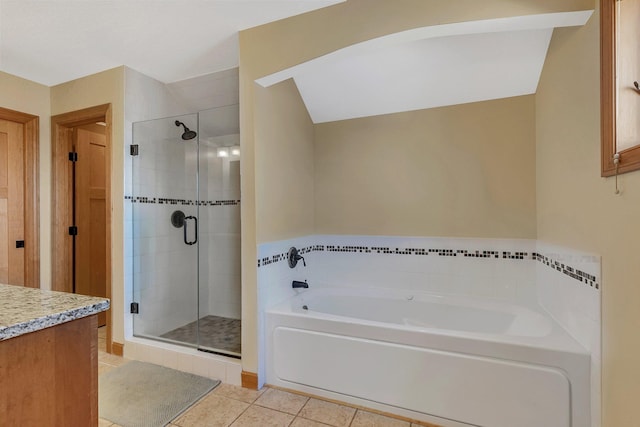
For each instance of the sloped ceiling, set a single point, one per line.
(428, 67)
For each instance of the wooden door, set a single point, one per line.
(12, 212)
(90, 211)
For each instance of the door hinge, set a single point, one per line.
(135, 309)
(133, 149)
(73, 230)
(73, 156)
(19, 243)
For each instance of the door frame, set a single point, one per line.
(31, 180)
(61, 140)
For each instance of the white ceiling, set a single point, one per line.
(428, 67)
(54, 41)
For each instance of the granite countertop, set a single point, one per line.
(24, 310)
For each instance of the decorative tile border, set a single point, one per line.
(567, 270)
(284, 255)
(423, 251)
(183, 202)
(398, 251)
(574, 273)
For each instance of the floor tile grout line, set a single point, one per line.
(354, 416)
(297, 414)
(240, 414)
(326, 401)
(315, 421)
(237, 399)
(302, 407)
(283, 412)
(352, 406)
(194, 404)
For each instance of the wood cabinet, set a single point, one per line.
(50, 377)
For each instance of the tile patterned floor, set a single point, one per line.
(216, 333)
(228, 405)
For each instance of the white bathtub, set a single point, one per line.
(448, 360)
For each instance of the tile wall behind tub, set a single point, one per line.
(569, 288)
(495, 268)
(564, 281)
(274, 281)
(275, 275)
(569, 285)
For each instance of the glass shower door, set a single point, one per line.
(165, 229)
(186, 230)
(219, 213)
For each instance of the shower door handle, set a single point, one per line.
(195, 222)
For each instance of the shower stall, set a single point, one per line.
(186, 230)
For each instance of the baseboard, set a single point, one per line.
(117, 349)
(249, 380)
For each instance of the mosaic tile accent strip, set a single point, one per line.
(24, 310)
(574, 273)
(399, 251)
(183, 202)
(283, 256)
(465, 253)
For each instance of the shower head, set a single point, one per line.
(187, 134)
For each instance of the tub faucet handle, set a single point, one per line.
(297, 284)
(294, 256)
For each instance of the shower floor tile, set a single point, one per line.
(216, 333)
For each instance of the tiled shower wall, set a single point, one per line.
(156, 259)
(165, 269)
(219, 234)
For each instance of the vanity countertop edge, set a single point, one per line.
(24, 310)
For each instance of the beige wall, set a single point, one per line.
(102, 88)
(33, 98)
(460, 171)
(29, 97)
(248, 246)
(277, 187)
(282, 44)
(578, 209)
(284, 174)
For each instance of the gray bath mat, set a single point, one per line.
(140, 394)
